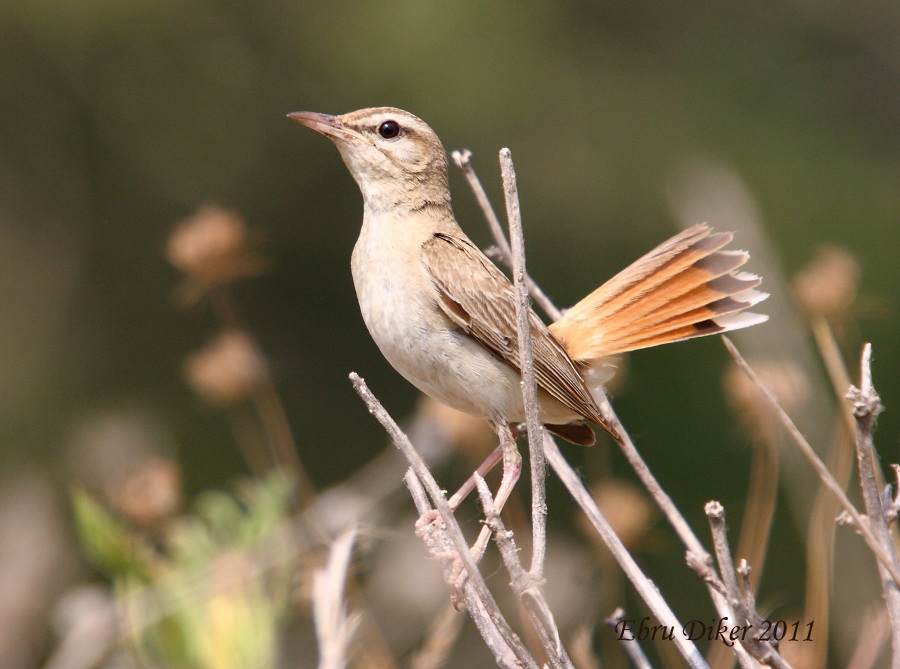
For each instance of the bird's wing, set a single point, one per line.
(479, 299)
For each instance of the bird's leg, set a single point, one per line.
(512, 469)
(489, 463)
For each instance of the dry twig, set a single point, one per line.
(499, 638)
(645, 587)
(763, 651)
(463, 161)
(633, 650)
(820, 468)
(866, 407)
(523, 583)
(499, 634)
(529, 383)
(334, 626)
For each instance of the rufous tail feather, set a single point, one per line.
(686, 287)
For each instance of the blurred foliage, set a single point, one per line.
(193, 594)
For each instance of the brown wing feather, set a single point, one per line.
(479, 298)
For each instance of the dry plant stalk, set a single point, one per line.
(523, 584)
(214, 249)
(446, 541)
(828, 480)
(633, 650)
(742, 599)
(334, 626)
(866, 407)
(506, 647)
(529, 381)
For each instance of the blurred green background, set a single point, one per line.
(117, 119)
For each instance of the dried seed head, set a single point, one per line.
(784, 378)
(213, 247)
(227, 371)
(827, 285)
(151, 493)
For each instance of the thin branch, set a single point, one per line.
(866, 407)
(439, 544)
(442, 636)
(334, 626)
(715, 513)
(870, 644)
(529, 382)
(819, 466)
(458, 542)
(463, 162)
(748, 593)
(633, 650)
(763, 651)
(522, 583)
(830, 353)
(642, 584)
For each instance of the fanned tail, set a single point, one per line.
(686, 287)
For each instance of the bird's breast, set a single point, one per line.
(398, 302)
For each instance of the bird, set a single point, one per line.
(444, 316)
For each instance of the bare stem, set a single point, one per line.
(633, 650)
(483, 599)
(529, 382)
(834, 365)
(828, 480)
(715, 513)
(866, 407)
(642, 584)
(763, 651)
(522, 582)
(439, 543)
(463, 161)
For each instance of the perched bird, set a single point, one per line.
(444, 316)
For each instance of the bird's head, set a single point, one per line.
(395, 158)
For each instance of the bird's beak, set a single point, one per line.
(328, 125)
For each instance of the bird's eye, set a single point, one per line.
(389, 129)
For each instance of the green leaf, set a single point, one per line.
(108, 543)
